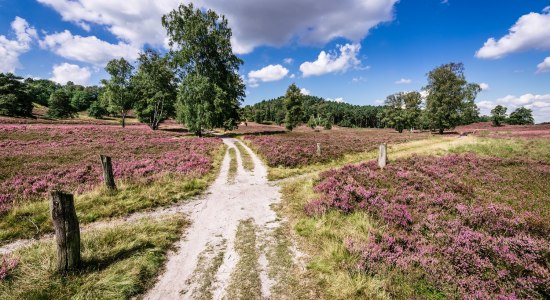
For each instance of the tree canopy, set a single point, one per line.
(402, 110)
(119, 88)
(521, 116)
(202, 54)
(293, 106)
(14, 99)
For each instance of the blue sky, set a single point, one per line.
(357, 51)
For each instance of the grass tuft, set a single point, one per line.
(232, 166)
(248, 163)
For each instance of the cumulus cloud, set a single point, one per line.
(540, 104)
(10, 50)
(305, 91)
(339, 100)
(403, 81)
(266, 74)
(332, 62)
(254, 23)
(484, 86)
(529, 32)
(88, 49)
(67, 72)
(544, 66)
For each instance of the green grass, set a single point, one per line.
(248, 163)
(534, 149)
(118, 263)
(30, 220)
(232, 166)
(245, 279)
(204, 276)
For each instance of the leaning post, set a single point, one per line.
(67, 231)
(108, 172)
(383, 155)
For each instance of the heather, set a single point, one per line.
(37, 158)
(458, 226)
(7, 264)
(506, 131)
(299, 148)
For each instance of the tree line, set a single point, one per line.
(196, 82)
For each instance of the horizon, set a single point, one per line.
(353, 51)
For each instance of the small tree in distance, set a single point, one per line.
(118, 88)
(59, 105)
(312, 123)
(521, 116)
(498, 115)
(293, 106)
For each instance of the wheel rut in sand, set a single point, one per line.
(224, 243)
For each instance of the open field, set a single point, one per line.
(471, 225)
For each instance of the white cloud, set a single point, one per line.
(544, 66)
(331, 62)
(266, 74)
(529, 32)
(358, 79)
(540, 104)
(288, 61)
(292, 76)
(305, 91)
(68, 72)
(254, 23)
(88, 49)
(339, 100)
(403, 81)
(10, 50)
(484, 86)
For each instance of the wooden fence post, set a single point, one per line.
(318, 149)
(382, 155)
(108, 172)
(67, 232)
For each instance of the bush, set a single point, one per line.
(14, 100)
(97, 111)
(60, 105)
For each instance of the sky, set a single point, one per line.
(353, 51)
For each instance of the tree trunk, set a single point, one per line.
(123, 119)
(108, 172)
(67, 232)
(441, 130)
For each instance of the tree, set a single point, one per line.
(82, 99)
(498, 115)
(327, 122)
(14, 99)
(521, 116)
(402, 110)
(293, 106)
(40, 90)
(204, 55)
(97, 110)
(449, 95)
(118, 88)
(155, 88)
(196, 106)
(59, 105)
(312, 123)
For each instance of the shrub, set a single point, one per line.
(60, 105)
(96, 110)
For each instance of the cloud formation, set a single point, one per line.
(67, 72)
(88, 49)
(544, 66)
(254, 23)
(540, 104)
(266, 74)
(10, 50)
(403, 81)
(305, 91)
(484, 86)
(332, 62)
(529, 32)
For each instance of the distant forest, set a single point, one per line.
(341, 114)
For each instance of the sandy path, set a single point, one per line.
(215, 220)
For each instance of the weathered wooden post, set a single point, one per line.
(382, 155)
(108, 172)
(318, 149)
(67, 232)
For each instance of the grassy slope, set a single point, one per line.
(119, 262)
(32, 219)
(322, 237)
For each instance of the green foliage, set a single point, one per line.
(450, 97)
(155, 87)
(81, 100)
(498, 115)
(41, 89)
(521, 116)
(97, 110)
(327, 121)
(60, 105)
(119, 90)
(293, 106)
(402, 110)
(312, 123)
(205, 56)
(14, 99)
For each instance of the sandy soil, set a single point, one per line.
(215, 220)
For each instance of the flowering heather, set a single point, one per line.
(507, 131)
(474, 228)
(7, 265)
(37, 158)
(299, 148)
